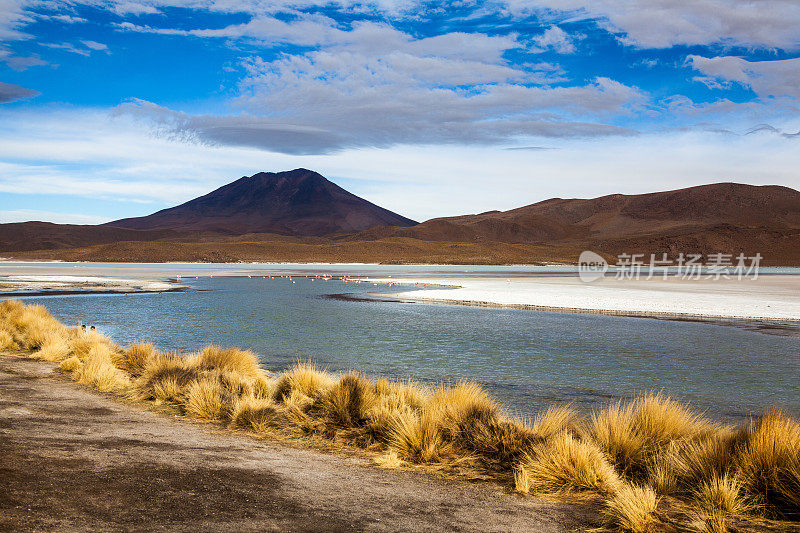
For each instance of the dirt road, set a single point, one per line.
(75, 460)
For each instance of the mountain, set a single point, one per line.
(23, 236)
(619, 216)
(299, 202)
(721, 217)
(301, 216)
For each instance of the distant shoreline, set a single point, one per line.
(773, 298)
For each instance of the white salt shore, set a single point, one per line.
(60, 283)
(773, 297)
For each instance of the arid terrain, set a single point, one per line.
(76, 460)
(299, 216)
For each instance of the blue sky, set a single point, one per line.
(118, 108)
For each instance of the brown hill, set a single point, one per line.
(619, 216)
(298, 202)
(23, 236)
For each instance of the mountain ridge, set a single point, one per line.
(713, 218)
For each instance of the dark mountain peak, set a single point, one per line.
(294, 202)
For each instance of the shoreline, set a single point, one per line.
(589, 311)
(773, 298)
(767, 327)
(454, 431)
(64, 444)
(26, 285)
(30, 294)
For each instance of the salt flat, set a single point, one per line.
(26, 284)
(772, 297)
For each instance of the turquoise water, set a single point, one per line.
(527, 359)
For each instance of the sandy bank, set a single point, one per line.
(76, 460)
(773, 297)
(34, 285)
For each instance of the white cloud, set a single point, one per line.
(89, 47)
(554, 38)
(373, 85)
(67, 47)
(768, 79)
(25, 215)
(12, 17)
(305, 106)
(94, 45)
(666, 23)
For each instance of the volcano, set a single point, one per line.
(298, 202)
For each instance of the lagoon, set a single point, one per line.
(527, 359)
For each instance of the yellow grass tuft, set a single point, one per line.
(99, 372)
(7, 341)
(256, 414)
(165, 378)
(304, 378)
(263, 387)
(349, 401)
(234, 360)
(564, 463)
(55, 348)
(82, 343)
(555, 420)
(205, 399)
(464, 414)
(632, 509)
(711, 522)
(723, 494)
(416, 437)
(137, 357)
(402, 394)
(389, 460)
(70, 364)
(632, 434)
(768, 462)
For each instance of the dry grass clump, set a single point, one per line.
(233, 360)
(681, 466)
(70, 364)
(631, 434)
(397, 394)
(55, 349)
(563, 463)
(768, 462)
(557, 419)
(165, 378)
(711, 522)
(257, 414)
(416, 437)
(81, 345)
(27, 327)
(632, 509)
(6, 341)
(389, 460)
(349, 402)
(205, 399)
(723, 494)
(304, 378)
(137, 357)
(98, 371)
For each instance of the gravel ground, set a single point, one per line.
(75, 460)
